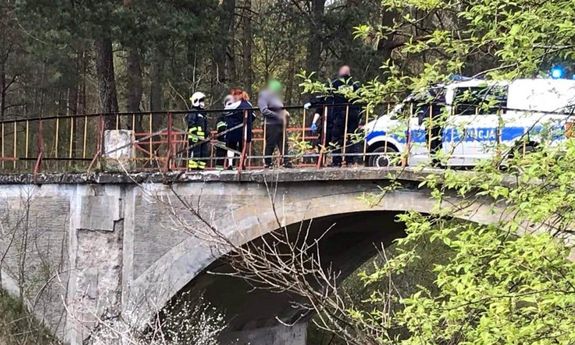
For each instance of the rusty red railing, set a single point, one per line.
(160, 140)
(76, 143)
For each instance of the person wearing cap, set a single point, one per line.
(276, 117)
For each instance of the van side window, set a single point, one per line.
(432, 105)
(486, 100)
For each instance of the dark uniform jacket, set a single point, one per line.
(197, 121)
(235, 116)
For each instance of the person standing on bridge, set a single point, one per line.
(342, 116)
(276, 120)
(239, 117)
(197, 121)
(221, 128)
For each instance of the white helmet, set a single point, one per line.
(198, 100)
(228, 100)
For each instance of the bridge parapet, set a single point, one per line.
(256, 176)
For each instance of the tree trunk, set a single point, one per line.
(156, 87)
(225, 37)
(2, 91)
(248, 47)
(83, 73)
(315, 38)
(106, 78)
(134, 80)
(134, 85)
(290, 82)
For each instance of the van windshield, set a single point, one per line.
(478, 100)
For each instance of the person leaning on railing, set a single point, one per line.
(345, 117)
(276, 118)
(238, 135)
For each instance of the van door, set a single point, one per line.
(432, 131)
(427, 132)
(478, 111)
(418, 150)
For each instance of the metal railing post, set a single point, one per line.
(365, 158)
(15, 148)
(3, 144)
(169, 153)
(71, 143)
(323, 138)
(303, 125)
(27, 142)
(343, 150)
(85, 138)
(244, 142)
(40, 143)
(283, 149)
(151, 149)
(265, 139)
(429, 129)
(56, 138)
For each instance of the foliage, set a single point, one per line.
(509, 281)
(18, 327)
(493, 39)
(165, 50)
(189, 321)
(506, 282)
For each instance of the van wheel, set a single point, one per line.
(383, 156)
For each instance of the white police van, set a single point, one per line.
(479, 115)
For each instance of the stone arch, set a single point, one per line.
(295, 202)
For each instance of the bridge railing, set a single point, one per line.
(160, 139)
(76, 143)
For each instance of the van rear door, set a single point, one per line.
(537, 106)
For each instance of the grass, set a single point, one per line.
(18, 327)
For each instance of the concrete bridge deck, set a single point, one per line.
(227, 176)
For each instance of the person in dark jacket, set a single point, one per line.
(197, 122)
(276, 119)
(239, 118)
(221, 128)
(344, 116)
(332, 110)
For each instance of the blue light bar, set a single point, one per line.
(557, 72)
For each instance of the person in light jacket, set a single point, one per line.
(276, 120)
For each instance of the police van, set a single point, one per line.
(477, 116)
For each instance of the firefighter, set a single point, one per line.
(197, 122)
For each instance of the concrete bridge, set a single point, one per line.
(79, 247)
